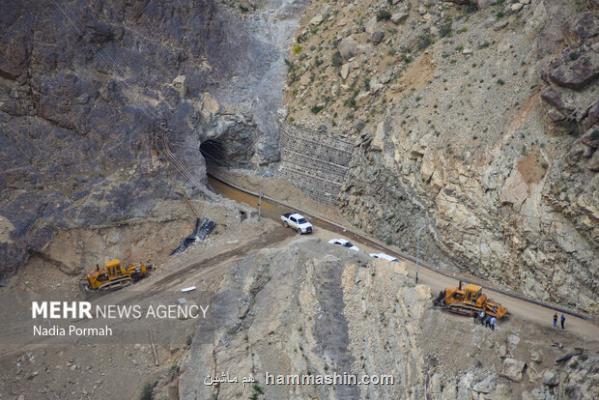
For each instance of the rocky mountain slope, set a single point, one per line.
(313, 310)
(476, 130)
(286, 304)
(104, 106)
(474, 123)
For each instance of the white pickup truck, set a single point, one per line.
(296, 221)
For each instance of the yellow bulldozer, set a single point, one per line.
(114, 276)
(469, 300)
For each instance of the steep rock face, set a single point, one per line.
(478, 124)
(314, 311)
(98, 98)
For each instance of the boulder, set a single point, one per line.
(513, 369)
(551, 378)
(500, 25)
(591, 137)
(487, 385)
(377, 37)
(536, 356)
(399, 17)
(578, 73)
(513, 341)
(591, 116)
(554, 98)
(317, 20)
(593, 163)
(516, 7)
(586, 26)
(348, 47)
(344, 72)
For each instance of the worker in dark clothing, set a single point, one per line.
(555, 320)
(562, 320)
(488, 321)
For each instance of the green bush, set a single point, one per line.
(383, 15)
(424, 41)
(147, 392)
(471, 8)
(173, 372)
(445, 29)
(337, 60)
(316, 109)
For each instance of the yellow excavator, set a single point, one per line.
(469, 300)
(113, 276)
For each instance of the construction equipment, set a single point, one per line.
(114, 276)
(469, 300)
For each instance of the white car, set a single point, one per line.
(297, 221)
(344, 243)
(383, 256)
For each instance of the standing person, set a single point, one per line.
(481, 316)
(555, 320)
(562, 320)
(493, 323)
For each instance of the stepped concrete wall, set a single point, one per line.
(315, 161)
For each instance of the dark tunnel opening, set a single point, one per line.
(228, 153)
(214, 153)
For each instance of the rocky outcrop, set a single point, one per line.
(311, 311)
(315, 164)
(104, 106)
(476, 129)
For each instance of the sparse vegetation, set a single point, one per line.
(445, 29)
(147, 392)
(296, 49)
(471, 8)
(316, 109)
(337, 60)
(383, 15)
(424, 41)
(173, 372)
(257, 391)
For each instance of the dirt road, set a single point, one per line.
(518, 307)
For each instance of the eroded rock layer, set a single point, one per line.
(476, 130)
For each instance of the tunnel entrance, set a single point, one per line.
(223, 152)
(214, 153)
